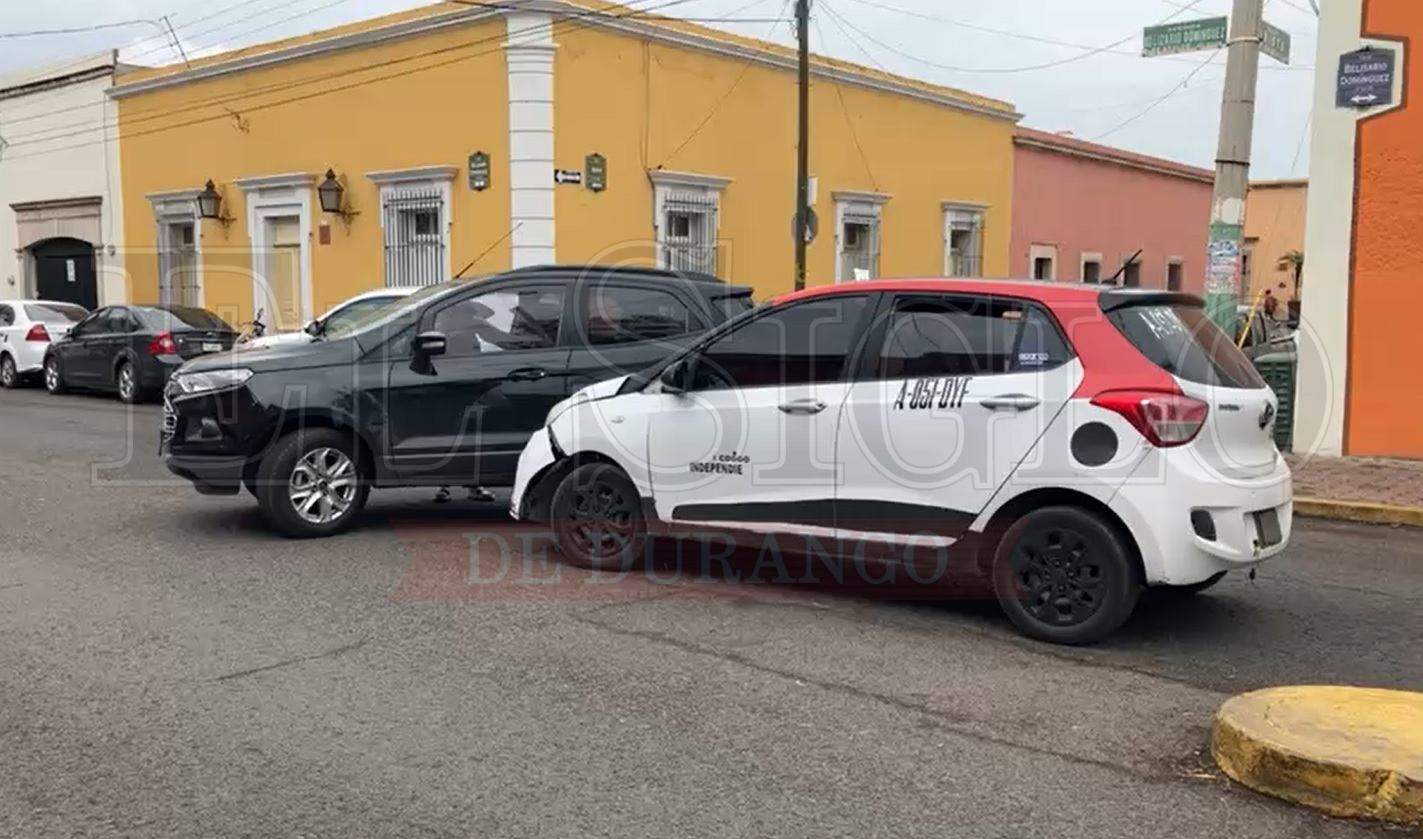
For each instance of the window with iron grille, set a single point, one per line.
(687, 228)
(963, 241)
(414, 218)
(859, 243)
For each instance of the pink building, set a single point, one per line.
(1080, 210)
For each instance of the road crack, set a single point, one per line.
(942, 720)
(331, 653)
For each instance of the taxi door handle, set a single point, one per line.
(1009, 402)
(803, 406)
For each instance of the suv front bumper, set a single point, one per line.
(207, 439)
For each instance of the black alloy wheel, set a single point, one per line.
(1065, 575)
(597, 517)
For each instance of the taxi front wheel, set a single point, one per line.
(597, 518)
(1065, 575)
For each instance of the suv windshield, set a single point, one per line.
(365, 318)
(1181, 340)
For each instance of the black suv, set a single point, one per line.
(441, 388)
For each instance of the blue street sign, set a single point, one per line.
(1365, 78)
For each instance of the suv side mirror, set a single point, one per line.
(676, 377)
(430, 343)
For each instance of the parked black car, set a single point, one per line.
(132, 350)
(442, 388)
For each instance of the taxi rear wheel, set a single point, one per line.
(597, 518)
(1065, 575)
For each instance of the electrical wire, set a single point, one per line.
(75, 30)
(745, 68)
(1023, 36)
(849, 121)
(165, 111)
(194, 38)
(500, 38)
(1157, 102)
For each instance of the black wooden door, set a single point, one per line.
(64, 271)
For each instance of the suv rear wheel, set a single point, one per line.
(310, 484)
(597, 518)
(1065, 575)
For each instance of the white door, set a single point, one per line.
(753, 438)
(282, 295)
(962, 388)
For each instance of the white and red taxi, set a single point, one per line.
(1074, 443)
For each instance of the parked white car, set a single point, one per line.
(26, 328)
(352, 309)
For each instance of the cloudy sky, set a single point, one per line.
(1068, 65)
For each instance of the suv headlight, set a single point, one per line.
(207, 380)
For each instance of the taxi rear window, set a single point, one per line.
(1180, 339)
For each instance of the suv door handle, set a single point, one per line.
(803, 406)
(1010, 402)
(527, 374)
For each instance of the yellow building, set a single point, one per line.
(538, 132)
(1274, 229)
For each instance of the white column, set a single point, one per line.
(528, 54)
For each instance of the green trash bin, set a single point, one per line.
(1278, 369)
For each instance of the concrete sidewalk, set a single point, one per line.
(1358, 488)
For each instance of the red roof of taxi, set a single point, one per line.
(1041, 290)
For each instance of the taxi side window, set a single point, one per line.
(967, 336)
(805, 343)
(942, 336)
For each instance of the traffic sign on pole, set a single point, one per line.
(1275, 42)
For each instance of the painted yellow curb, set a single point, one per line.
(1350, 752)
(1360, 512)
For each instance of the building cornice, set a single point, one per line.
(420, 173)
(663, 177)
(860, 197)
(294, 180)
(1104, 154)
(650, 30)
(56, 82)
(58, 204)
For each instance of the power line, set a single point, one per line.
(500, 38)
(999, 70)
(1167, 95)
(849, 121)
(1112, 49)
(745, 68)
(264, 27)
(220, 100)
(75, 30)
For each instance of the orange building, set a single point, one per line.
(1274, 239)
(1356, 394)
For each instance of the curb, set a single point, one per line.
(1348, 752)
(1356, 511)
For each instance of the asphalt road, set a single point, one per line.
(170, 668)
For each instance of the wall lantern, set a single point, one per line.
(332, 195)
(210, 205)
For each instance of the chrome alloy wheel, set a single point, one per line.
(323, 485)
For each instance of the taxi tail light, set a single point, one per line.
(1164, 419)
(37, 333)
(163, 345)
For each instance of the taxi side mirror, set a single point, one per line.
(675, 377)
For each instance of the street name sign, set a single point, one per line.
(1365, 78)
(1275, 42)
(1186, 36)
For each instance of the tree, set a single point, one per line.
(1293, 261)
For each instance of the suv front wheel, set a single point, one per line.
(310, 484)
(1066, 576)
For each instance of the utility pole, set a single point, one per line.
(1232, 165)
(802, 200)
